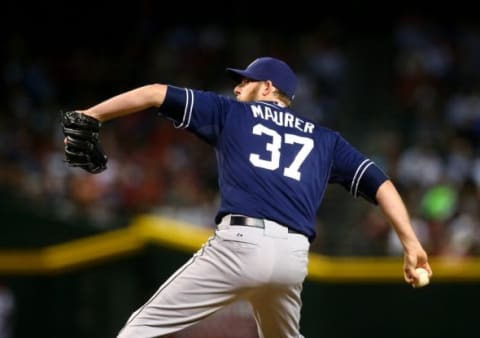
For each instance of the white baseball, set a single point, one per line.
(423, 278)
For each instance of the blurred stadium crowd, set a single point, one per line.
(428, 139)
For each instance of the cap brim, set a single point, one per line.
(238, 74)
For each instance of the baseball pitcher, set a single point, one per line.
(274, 166)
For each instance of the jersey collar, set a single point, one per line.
(277, 103)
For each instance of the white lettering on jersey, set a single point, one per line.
(281, 118)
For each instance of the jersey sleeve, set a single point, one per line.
(201, 112)
(355, 172)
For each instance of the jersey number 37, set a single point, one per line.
(274, 148)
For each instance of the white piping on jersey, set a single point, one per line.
(356, 179)
(187, 113)
(275, 104)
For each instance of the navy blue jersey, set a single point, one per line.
(272, 163)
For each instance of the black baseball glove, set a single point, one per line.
(82, 146)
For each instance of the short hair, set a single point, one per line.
(283, 97)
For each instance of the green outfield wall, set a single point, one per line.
(86, 283)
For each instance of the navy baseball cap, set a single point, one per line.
(268, 68)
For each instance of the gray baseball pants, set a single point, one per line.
(265, 266)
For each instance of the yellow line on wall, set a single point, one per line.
(147, 229)
(170, 233)
(93, 249)
(72, 254)
(388, 269)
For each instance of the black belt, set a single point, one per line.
(254, 222)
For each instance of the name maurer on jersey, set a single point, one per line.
(281, 118)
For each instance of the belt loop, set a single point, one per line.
(273, 229)
(226, 219)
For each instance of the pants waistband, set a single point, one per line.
(239, 220)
